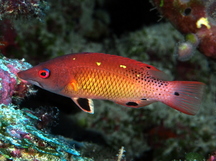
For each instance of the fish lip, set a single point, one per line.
(35, 83)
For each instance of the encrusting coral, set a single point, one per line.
(21, 140)
(196, 20)
(10, 85)
(23, 8)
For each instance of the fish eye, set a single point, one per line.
(44, 73)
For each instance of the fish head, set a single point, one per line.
(47, 76)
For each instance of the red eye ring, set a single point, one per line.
(44, 73)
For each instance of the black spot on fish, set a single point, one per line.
(131, 104)
(176, 93)
(144, 99)
(148, 67)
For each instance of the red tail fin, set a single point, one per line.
(185, 96)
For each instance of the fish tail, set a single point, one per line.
(185, 96)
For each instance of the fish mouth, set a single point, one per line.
(35, 83)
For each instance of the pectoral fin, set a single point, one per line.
(73, 85)
(84, 104)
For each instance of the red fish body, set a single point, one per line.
(86, 76)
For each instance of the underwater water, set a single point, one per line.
(39, 125)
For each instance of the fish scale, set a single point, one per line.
(86, 76)
(104, 85)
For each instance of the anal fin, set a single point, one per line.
(135, 103)
(84, 104)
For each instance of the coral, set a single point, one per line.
(21, 140)
(23, 8)
(68, 27)
(10, 85)
(7, 38)
(194, 156)
(192, 17)
(212, 157)
(149, 44)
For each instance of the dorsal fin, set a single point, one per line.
(155, 73)
(84, 104)
(159, 75)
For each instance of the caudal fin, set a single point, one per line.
(185, 96)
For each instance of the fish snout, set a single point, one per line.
(20, 74)
(26, 79)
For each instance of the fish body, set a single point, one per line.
(86, 76)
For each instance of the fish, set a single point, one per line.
(86, 76)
